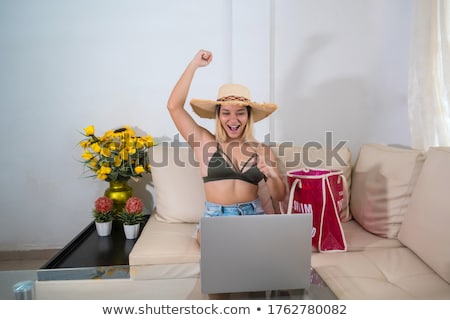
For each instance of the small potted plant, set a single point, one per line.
(131, 217)
(103, 215)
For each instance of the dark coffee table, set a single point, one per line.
(88, 249)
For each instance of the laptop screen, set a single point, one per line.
(255, 253)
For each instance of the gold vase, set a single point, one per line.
(119, 192)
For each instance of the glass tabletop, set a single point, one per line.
(114, 282)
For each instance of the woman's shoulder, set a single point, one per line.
(265, 150)
(260, 146)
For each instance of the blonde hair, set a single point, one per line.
(221, 135)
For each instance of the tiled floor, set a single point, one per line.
(24, 260)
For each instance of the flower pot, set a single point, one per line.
(119, 192)
(103, 228)
(131, 230)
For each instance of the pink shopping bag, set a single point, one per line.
(320, 192)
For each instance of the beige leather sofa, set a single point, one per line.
(397, 238)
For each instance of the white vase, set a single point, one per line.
(131, 230)
(103, 228)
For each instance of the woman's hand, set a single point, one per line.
(202, 58)
(265, 164)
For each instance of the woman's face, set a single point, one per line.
(233, 118)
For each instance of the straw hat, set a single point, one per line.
(233, 93)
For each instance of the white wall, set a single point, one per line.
(337, 66)
(342, 66)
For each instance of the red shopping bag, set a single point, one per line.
(320, 192)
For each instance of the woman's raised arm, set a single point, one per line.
(187, 127)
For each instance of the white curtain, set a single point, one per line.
(429, 75)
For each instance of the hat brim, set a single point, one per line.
(207, 108)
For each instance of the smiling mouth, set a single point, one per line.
(233, 128)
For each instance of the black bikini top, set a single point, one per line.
(221, 169)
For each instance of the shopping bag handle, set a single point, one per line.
(291, 197)
(345, 215)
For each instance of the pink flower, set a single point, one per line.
(134, 205)
(103, 205)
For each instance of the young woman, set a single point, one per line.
(232, 162)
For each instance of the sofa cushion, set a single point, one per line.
(390, 273)
(359, 239)
(382, 183)
(425, 228)
(178, 185)
(165, 243)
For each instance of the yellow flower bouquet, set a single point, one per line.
(117, 155)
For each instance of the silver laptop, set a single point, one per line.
(255, 253)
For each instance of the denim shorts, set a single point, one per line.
(240, 209)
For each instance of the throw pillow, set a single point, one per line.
(382, 183)
(427, 220)
(178, 185)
